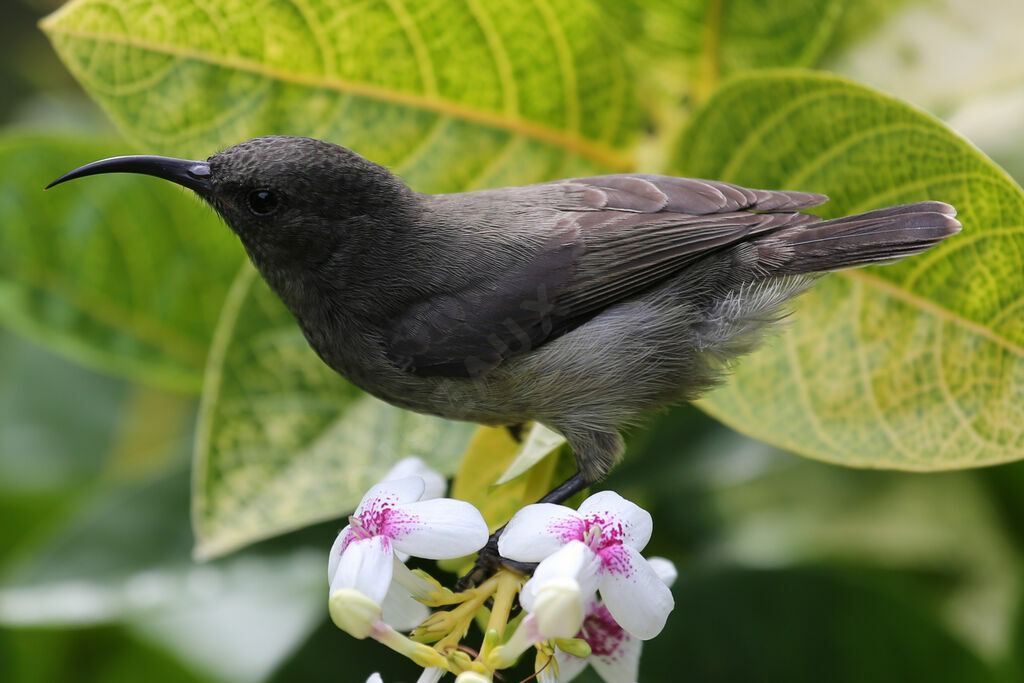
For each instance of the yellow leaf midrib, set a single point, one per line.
(570, 141)
(708, 61)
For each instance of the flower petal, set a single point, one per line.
(438, 529)
(574, 561)
(539, 530)
(390, 493)
(634, 594)
(375, 678)
(366, 566)
(344, 538)
(569, 667)
(665, 570)
(621, 519)
(546, 675)
(401, 611)
(621, 667)
(431, 675)
(414, 584)
(434, 482)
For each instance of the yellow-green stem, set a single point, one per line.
(423, 655)
(509, 584)
(463, 614)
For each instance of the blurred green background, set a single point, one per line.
(789, 569)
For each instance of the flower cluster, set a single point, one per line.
(579, 554)
(371, 588)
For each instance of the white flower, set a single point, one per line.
(435, 485)
(396, 610)
(391, 517)
(580, 552)
(614, 653)
(431, 675)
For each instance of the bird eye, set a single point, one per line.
(262, 202)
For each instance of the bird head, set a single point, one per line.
(290, 199)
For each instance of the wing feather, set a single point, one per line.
(611, 237)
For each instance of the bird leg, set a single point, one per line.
(488, 560)
(567, 489)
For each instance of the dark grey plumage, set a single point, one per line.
(580, 303)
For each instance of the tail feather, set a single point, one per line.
(880, 236)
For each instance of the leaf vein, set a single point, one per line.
(419, 46)
(496, 46)
(927, 306)
(565, 64)
(881, 418)
(569, 140)
(804, 395)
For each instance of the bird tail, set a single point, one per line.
(875, 237)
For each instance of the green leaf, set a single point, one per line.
(712, 39)
(863, 20)
(123, 273)
(918, 365)
(451, 95)
(40, 390)
(283, 441)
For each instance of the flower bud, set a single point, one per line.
(577, 647)
(558, 607)
(353, 612)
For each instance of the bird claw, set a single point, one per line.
(489, 561)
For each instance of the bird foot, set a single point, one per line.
(489, 560)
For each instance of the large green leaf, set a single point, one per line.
(918, 365)
(283, 441)
(705, 40)
(124, 273)
(451, 94)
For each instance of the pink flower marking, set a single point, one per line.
(602, 633)
(380, 516)
(614, 559)
(602, 534)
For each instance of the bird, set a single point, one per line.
(582, 303)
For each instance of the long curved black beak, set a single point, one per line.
(195, 175)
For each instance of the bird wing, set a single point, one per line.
(611, 238)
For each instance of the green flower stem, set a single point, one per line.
(462, 616)
(423, 655)
(509, 584)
